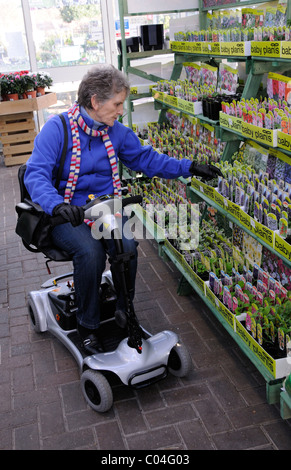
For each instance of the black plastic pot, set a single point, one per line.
(152, 36)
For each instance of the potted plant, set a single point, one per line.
(43, 80)
(15, 85)
(167, 41)
(30, 85)
(4, 86)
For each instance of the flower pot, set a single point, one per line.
(40, 91)
(12, 96)
(205, 106)
(31, 94)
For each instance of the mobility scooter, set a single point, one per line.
(130, 352)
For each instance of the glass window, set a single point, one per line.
(63, 37)
(67, 32)
(13, 44)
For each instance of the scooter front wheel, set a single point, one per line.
(96, 390)
(179, 363)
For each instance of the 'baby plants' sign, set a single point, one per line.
(230, 122)
(235, 48)
(284, 140)
(260, 134)
(282, 247)
(286, 49)
(266, 48)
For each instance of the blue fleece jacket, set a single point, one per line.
(95, 175)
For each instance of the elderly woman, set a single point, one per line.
(96, 141)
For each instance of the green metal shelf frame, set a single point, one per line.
(125, 58)
(285, 405)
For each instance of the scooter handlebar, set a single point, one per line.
(58, 219)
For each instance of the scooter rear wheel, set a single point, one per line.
(34, 317)
(96, 390)
(179, 363)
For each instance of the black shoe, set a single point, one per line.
(92, 344)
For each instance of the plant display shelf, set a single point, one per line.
(266, 237)
(231, 5)
(271, 370)
(256, 67)
(273, 385)
(18, 127)
(234, 128)
(154, 230)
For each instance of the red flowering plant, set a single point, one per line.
(31, 81)
(4, 84)
(15, 82)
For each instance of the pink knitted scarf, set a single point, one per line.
(76, 120)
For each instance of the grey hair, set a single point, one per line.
(104, 81)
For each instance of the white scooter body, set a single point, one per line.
(130, 366)
(135, 366)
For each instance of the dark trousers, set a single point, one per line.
(89, 261)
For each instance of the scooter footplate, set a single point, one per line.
(111, 335)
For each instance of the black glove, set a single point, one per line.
(73, 214)
(207, 172)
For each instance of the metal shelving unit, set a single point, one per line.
(124, 61)
(256, 67)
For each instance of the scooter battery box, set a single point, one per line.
(64, 308)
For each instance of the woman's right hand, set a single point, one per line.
(70, 213)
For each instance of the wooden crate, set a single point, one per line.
(17, 126)
(33, 104)
(17, 137)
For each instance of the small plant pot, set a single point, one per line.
(40, 91)
(31, 94)
(12, 97)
